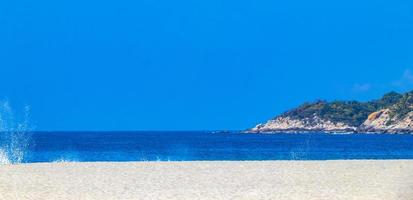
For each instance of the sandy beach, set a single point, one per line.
(284, 180)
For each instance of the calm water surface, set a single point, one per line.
(197, 146)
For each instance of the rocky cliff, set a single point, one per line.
(382, 122)
(393, 113)
(290, 125)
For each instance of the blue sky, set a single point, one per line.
(175, 65)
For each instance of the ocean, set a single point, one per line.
(209, 145)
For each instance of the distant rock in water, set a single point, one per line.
(393, 113)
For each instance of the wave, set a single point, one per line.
(64, 161)
(15, 135)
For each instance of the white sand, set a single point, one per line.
(284, 180)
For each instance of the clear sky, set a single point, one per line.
(209, 64)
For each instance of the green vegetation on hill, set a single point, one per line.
(403, 106)
(352, 112)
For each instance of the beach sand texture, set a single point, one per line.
(272, 180)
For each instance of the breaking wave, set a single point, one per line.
(15, 135)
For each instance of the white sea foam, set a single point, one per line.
(62, 160)
(301, 152)
(15, 135)
(4, 160)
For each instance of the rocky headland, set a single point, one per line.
(392, 114)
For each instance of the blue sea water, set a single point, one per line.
(204, 145)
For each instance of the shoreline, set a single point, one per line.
(284, 180)
(202, 161)
(305, 131)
